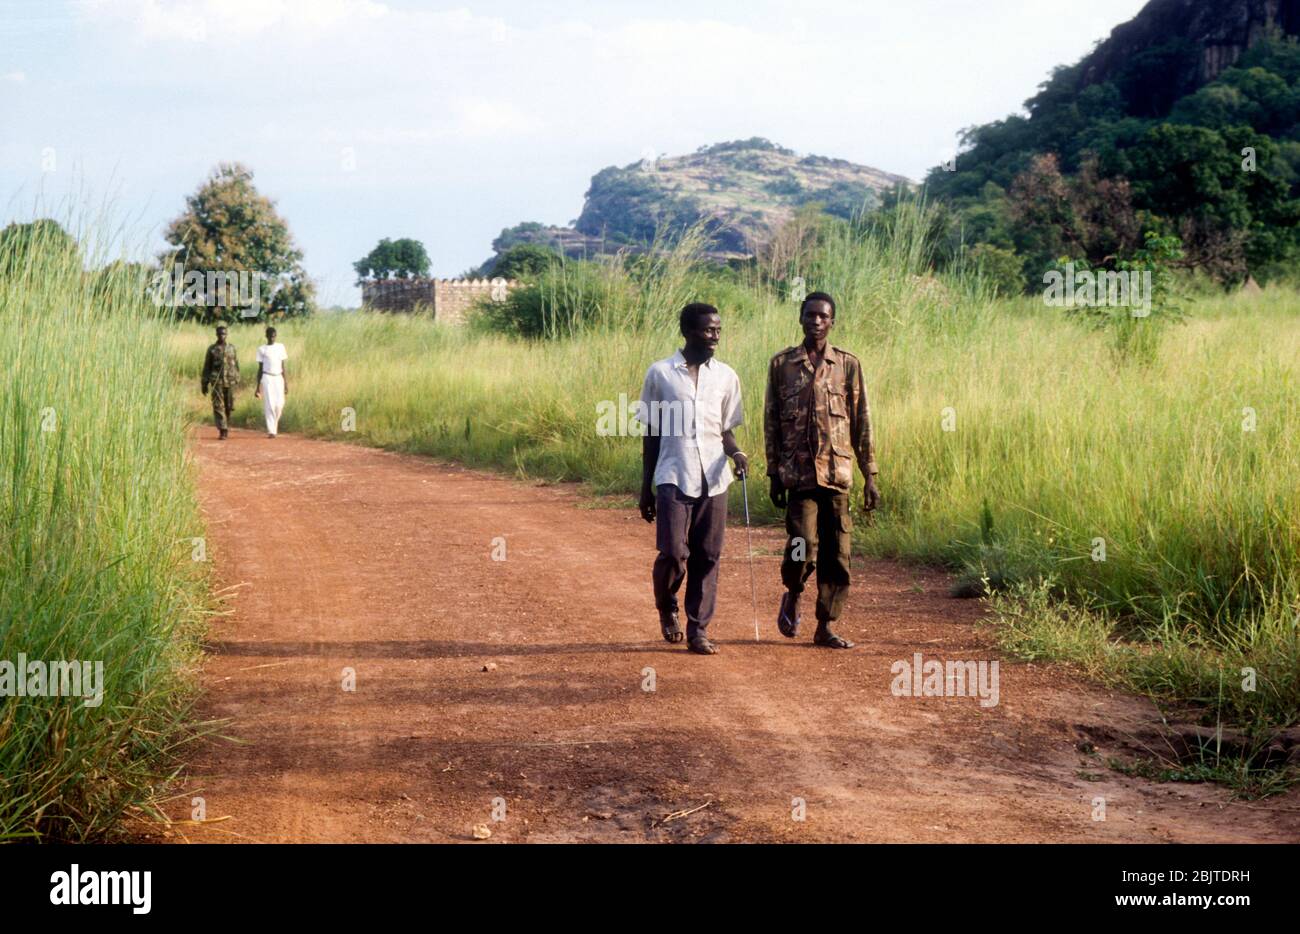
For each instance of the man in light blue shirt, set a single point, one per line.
(690, 405)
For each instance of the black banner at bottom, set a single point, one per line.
(332, 883)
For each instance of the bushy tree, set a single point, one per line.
(524, 261)
(228, 227)
(1229, 218)
(401, 259)
(1083, 216)
(564, 299)
(21, 243)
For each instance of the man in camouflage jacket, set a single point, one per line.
(221, 373)
(817, 423)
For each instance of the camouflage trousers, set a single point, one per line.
(223, 403)
(818, 526)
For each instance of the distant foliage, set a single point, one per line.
(1083, 215)
(569, 297)
(21, 243)
(753, 144)
(563, 300)
(1001, 270)
(787, 184)
(1217, 166)
(516, 234)
(843, 199)
(524, 261)
(400, 259)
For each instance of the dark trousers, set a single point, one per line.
(688, 533)
(818, 524)
(223, 403)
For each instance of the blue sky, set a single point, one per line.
(447, 122)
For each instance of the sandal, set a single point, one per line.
(788, 625)
(827, 639)
(670, 627)
(702, 646)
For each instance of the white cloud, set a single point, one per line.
(203, 20)
(14, 77)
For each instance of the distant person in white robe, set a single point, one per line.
(272, 385)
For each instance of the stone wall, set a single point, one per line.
(452, 298)
(449, 300)
(397, 294)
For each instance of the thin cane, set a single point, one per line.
(749, 541)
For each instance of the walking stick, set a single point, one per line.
(749, 542)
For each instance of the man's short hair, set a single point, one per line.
(692, 313)
(817, 297)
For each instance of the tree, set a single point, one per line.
(1185, 170)
(1084, 216)
(38, 242)
(230, 230)
(1230, 219)
(524, 261)
(402, 259)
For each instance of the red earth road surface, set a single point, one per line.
(516, 688)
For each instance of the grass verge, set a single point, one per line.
(98, 527)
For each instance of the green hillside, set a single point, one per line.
(1184, 122)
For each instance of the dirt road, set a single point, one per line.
(339, 557)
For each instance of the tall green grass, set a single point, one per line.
(1057, 447)
(97, 517)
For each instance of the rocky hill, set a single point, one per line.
(743, 191)
(1173, 47)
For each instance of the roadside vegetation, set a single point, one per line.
(98, 521)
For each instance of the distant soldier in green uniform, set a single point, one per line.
(816, 424)
(221, 373)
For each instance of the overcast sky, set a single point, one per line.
(447, 122)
